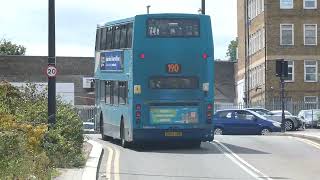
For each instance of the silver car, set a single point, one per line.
(311, 117)
(291, 122)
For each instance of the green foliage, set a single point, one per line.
(232, 50)
(9, 48)
(64, 141)
(23, 115)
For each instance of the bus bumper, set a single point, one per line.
(179, 135)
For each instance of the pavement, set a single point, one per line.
(310, 134)
(90, 170)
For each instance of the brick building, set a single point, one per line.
(278, 29)
(71, 79)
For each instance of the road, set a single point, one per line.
(227, 158)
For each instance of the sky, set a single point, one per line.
(25, 22)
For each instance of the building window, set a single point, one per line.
(290, 77)
(310, 71)
(310, 34)
(286, 4)
(310, 4)
(286, 34)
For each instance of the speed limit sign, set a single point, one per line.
(51, 71)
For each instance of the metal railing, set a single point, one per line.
(292, 107)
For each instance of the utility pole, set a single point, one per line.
(203, 6)
(148, 9)
(51, 63)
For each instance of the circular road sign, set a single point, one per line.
(51, 71)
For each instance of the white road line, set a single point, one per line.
(109, 163)
(254, 172)
(311, 143)
(117, 165)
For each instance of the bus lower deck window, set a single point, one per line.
(174, 83)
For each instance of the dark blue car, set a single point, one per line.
(244, 122)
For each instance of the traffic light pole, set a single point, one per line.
(283, 128)
(51, 62)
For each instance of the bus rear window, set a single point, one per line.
(174, 83)
(173, 27)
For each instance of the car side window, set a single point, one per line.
(225, 114)
(243, 115)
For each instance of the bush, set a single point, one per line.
(23, 121)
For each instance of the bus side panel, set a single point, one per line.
(112, 114)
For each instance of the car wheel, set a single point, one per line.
(218, 131)
(288, 124)
(265, 131)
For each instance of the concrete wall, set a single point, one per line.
(32, 69)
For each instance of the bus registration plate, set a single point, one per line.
(173, 134)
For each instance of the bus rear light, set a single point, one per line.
(142, 56)
(138, 107)
(138, 115)
(209, 107)
(204, 55)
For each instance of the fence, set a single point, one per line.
(293, 107)
(87, 114)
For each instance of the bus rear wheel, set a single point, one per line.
(124, 143)
(103, 136)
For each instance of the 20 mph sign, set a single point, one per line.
(51, 71)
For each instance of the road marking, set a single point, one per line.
(116, 165)
(311, 143)
(240, 162)
(109, 162)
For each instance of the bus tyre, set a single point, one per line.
(103, 136)
(124, 143)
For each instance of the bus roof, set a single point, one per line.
(131, 19)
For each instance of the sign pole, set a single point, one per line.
(51, 62)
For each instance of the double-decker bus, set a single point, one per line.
(154, 79)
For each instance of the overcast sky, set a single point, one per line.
(25, 21)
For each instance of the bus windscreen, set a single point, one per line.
(174, 83)
(173, 27)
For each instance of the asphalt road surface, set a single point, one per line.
(226, 158)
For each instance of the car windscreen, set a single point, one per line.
(312, 115)
(170, 27)
(174, 83)
(88, 126)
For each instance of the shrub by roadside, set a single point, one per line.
(23, 118)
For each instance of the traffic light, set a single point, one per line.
(281, 68)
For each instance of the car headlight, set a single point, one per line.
(276, 124)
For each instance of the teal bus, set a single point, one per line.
(154, 79)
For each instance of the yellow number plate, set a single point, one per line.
(173, 134)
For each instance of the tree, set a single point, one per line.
(232, 50)
(9, 48)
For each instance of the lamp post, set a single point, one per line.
(148, 9)
(203, 6)
(51, 62)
